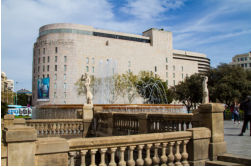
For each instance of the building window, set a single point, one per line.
(48, 76)
(173, 68)
(129, 63)
(65, 59)
(64, 97)
(182, 68)
(93, 60)
(87, 69)
(173, 82)
(56, 49)
(43, 68)
(166, 67)
(34, 70)
(38, 76)
(155, 68)
(56, 67)
(173, 75)
(167, 74)
(48, 59)
(39, 60)
(93, 69)
(56, 58)
(48, 68)
(64, 76)
(182, 75)
(87, 60)
(55, 86)
(43, 50)
(65, 67)
(246, 65)
(38, 51)
(113, 71)
(246, 59)
(38, 69)
(129, 70)
(166, 60)
(43, 59)
(55, 76)
(64, 86)
(43, 75)
(249, 64)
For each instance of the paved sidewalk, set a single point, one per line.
(237, 144)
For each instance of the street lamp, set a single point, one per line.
(16, 92)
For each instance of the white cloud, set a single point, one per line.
(150, 9)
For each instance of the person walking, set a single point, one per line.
(236, 113)
(246, 107)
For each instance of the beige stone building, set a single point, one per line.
(7, 89)
(63, 52)
(242, 60)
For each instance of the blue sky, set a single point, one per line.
(218, 28)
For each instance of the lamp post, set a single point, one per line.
(16, 92)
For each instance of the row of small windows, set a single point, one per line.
(243, 58)
(55, 59)
(87, 69)
(245, 65)
(48, 68)
(87, 60)
(56, 51)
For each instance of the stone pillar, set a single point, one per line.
(87, 118)
(211, 117)
(110, 124)
(8, 120)
(143, 127)
(198, 146)
(52, 151)
(19, 121)
(20, 142)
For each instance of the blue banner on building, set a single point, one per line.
(43, 89)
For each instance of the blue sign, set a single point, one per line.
(43, 88)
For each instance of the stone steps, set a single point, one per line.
(230, 160)
(235, 158)
(222, 163)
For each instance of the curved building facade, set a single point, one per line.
(63, 52)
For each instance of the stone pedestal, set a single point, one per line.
(8, 120)
(20, 142)
(143, 123)
(51, 151)
(198, 146)
(87, 118)
(211, 116)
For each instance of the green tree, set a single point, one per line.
(228, 83)
(23, 99)
(152, 88)
(189, 91)
(4, 109)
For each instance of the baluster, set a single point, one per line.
(83, 153)
(182, 126)
(170, 155)
(73, 128)
(122, 161)
(112, 161)
(156, 156)
(177, 126)
(173, 124)
(185, 154)
(148, 160)
(102, 152)
(163, 157)
(62, 128)
(71, 155)
(131, 161)
(65, 128)
(54, 127)
(59, 128)
(42, 128)
(187, 125)
(140, 161)
(69, 128)
(93, 153)
(177, 155)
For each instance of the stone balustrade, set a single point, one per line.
(57, 127)
(121, 123)
(145, 149)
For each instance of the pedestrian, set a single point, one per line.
(236, 113)
(246, 107)
(232, 111)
